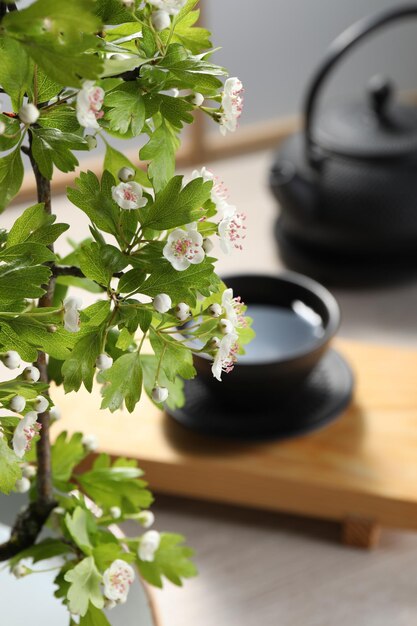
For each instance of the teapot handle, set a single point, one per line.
(340, 46)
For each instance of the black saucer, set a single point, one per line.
(341, 270)
(320, 400)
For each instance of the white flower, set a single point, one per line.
(161, 20)
(109, 604)
(219, 193)
(232, 104)
(31, 374)
(226, 356)
(183, 248)
(162, 303)
(19, 570)
(11, 359)
(104, 362)
(2, 128)
(17, 404)
(149, 544)
(146, 518)
(172, 7)
(55, 413)
(182, 311)
(215, 310)
(233, 308)
(117, 580)
(128, 196)
(40, 404)
(198, 99)
(24, 432)
(89, 102)
(115, 512)
(159, 394)
(28, 471)
(28, 113)
(71, 314)
(90, 442)
(126, 174)
(232, 232)
(22, 485)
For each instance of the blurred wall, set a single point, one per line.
(275, 45)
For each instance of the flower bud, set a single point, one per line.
(149, 544)
(28, 113)
(22, 485)
(91, 142)
(115, 512)
(31, 374)
(17, 404)
(40, 405)
(215, 310)
(208, 245)
(90, 443)
(146, 518)
(128, 4)
(162, 303)
(161, 20)
(51, 328)
(214, 343)
(198, 99)
(109, 604)
(28, 471)
(2, 128)
(126, 174)
(182, 311)
(226, 326)
(55, 413)
(20, 570)
(159, 394)
(104, 362)
(174, 93)
(11, 359)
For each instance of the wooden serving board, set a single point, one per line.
(361, 470)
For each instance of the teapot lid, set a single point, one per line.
(379, 128)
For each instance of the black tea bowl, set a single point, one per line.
(294, 319)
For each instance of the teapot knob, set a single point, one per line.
(380, 90)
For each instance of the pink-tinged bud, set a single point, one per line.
(159, 394)
(28, 113)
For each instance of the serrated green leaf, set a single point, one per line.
(127, 109)
(79, 367)
(160, 151)
(10, 340)
(131, 280)
(99, 263)
(66, 453)
(51, 146)
(11, 177)
(95, 200)
(9, 467)
(176, 359)
(15, 70)
(31, 219)
(85, 582)
(115, 160)
(61, 118)
(77, 524)
(29, 253)
(94, 617)
(172, 561)
(123, 383)
(21, 282)
(42, 551)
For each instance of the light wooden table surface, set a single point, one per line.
(259, 568)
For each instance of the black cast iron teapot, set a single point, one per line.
(347, 184)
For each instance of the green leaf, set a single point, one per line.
(175, 206)
(131, 280)
(172, 561)
(18, 282)
(160, 151)
(47, 89)
(10, 340)
(95, 200)
(9, 467)
(12, 133)
(94, 617)
(114, 12)
(79, 368)
(36, 334)
(119, 485)
(124, 383)
(31, 220)
(127, 109)
(51, 146)
(15, 70)
(99, 263)
(42, 551)
(176, 396)
(177, 359)
(66, 454)
(77, 525)
(115, 160)
(194, 38)
(30, 253)
(11, 177)
(61, 118)
(85, 582)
